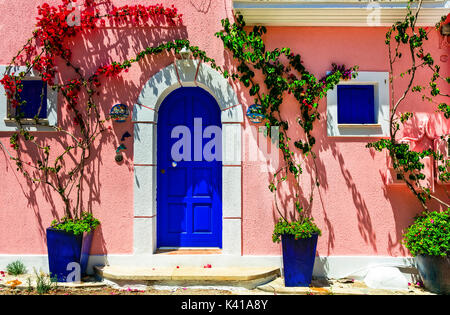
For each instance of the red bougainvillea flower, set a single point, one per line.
(70, 91)
(307, 104)
(10, 84)
(55, 25)
(140, 14)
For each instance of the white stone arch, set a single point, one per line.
(184, 73)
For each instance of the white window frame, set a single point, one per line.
(380, 81)
(8, 124)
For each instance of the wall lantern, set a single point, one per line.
(185, 53)
(119, 156)
(445, 29)
(119, 113)
(254, 114)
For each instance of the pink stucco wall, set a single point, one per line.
(357, 213)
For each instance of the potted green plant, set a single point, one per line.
(428, 240)
(299, 241)
(69, 241)
(284, 74)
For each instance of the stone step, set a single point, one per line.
(229, 276)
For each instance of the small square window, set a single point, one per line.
(356, 104)
(36, 103)
(359, 107)
(33, 86)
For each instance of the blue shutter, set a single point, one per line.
(356, 104)
(31, 93)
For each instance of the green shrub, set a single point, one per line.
(16, 268)
(300, 229)
(44, 284)
(87, 223)
(429, 234)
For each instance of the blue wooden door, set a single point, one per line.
(189, 191)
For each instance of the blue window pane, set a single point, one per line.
(31, 93)
(356, 104)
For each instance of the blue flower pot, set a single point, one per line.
(65, 249)
(435, 273)
(298, 260)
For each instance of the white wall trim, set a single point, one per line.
(52, 104)
(335, 13)
(380, 80)
(145, 118)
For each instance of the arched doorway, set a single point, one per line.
(145, 120)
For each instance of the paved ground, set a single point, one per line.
(19, 285)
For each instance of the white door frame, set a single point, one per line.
(186, 73)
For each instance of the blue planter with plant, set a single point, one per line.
(428, 240)
(298, 260)
(299, 242)
(68, 245)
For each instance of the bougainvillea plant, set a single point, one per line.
(284, 73)
(44, 53)
(429, 234)
(403, 39)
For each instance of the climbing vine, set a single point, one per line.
(284, 73)
(409, 164)
(41, 53)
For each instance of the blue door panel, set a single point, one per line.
(202, 222)
(177, 210)
(201, 182)
(189, 193)
(177, 178)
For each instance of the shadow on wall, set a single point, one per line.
(402, 203)
(286, 194)
(92, 50)
(30, 194)
(405, 209)
(202, 6)
(324, 144)
(329, 151)
(365, 226)
(421, 129)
